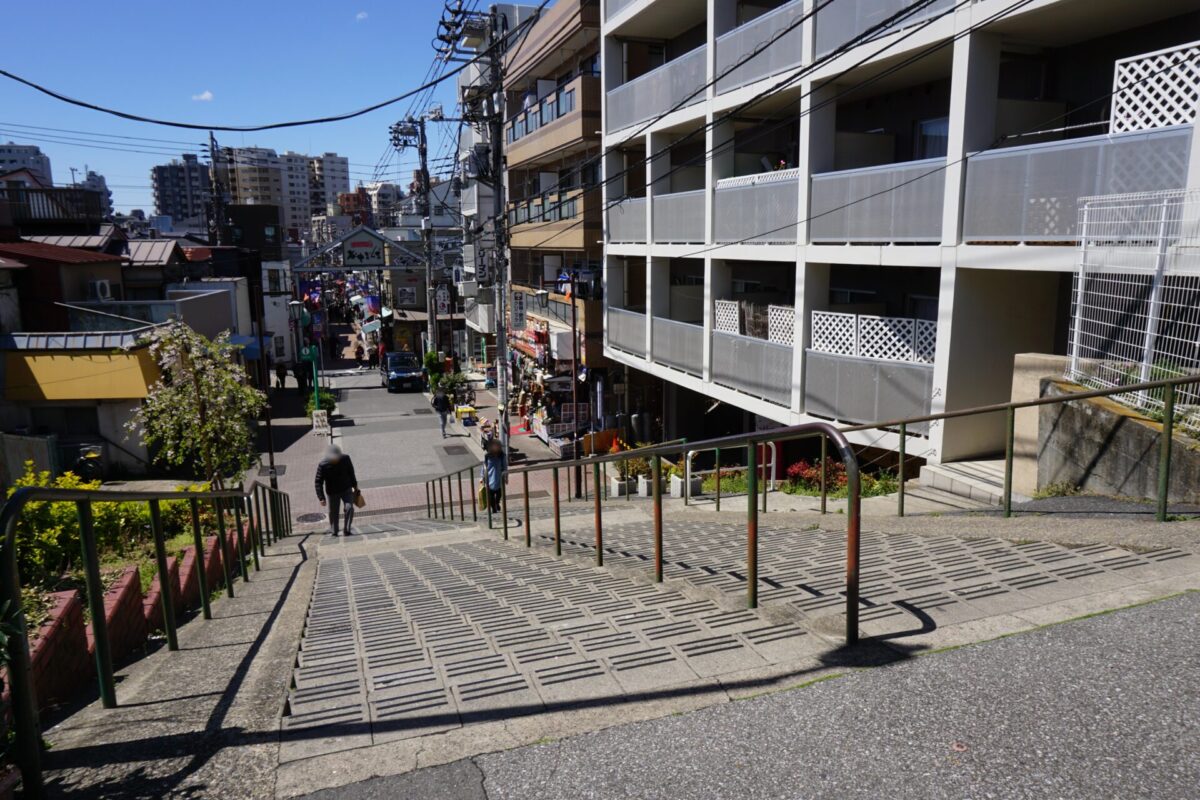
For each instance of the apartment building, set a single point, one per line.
(296, 192)
(95, 182)
(879, 236)
(15, 156)
(384, 201)
(182, 190)
(299, 184)
(328, 176)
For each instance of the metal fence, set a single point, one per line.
(679, 345)
(658, 91)
(627, 221)
(627, 331)
(1031, 194)
(889, 203)
(781, 54)
(840, 22)
(757, 208)
(679, 218)
(753, 366)
(1135, 314)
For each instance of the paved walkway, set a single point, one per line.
(1102, 707)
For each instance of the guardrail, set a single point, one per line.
(267, 515)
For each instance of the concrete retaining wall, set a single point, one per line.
(125, 614)
(1104, 447)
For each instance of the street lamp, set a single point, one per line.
(295, 314)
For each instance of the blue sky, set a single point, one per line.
(220, 62)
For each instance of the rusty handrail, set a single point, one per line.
(268, 516)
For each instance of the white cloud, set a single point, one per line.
(360, 16)
(204, 97)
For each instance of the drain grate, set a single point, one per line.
(264, 472)
(310, 518)
(455, 450)
(422, 411)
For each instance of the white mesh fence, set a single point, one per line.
(1135, 311)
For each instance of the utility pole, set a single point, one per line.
(575, 385)
(404, 134)
(496, 47)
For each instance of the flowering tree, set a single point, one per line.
(200, 413)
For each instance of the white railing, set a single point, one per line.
(627, 331)
(627, 221)
(759, 208)
(840, 22)
(1031, 193)
(658, 91)
(889, 203)
(679, 218)
(901, 339)
(753, 366)
(771, 59)
(679, 345)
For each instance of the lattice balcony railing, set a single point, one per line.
(1157, 90)
(901, 339)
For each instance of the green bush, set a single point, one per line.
(327, 400)
(433, 364)
(450, 382)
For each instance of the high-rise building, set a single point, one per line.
(95, 182)
(181, 191)
(15, 156)
(297, 207)
(385, 201)
(810, 216)
(329, 176)
(300, 185)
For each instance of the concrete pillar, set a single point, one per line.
(658, 297)
(974, 85)
(718, 284)
(812, 294)
(941, 358)
(818, 131)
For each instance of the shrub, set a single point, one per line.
(804, 477)
(326, 398)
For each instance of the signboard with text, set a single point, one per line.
(363, 249)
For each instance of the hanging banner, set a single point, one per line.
(373, 305)
(310, 291)
(443, 301)
(406, 296)
(318, 324)
(363, 249)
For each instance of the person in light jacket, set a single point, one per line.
(495, 464)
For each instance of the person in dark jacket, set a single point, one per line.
(337, 485)
(495, 467)
(441, 404)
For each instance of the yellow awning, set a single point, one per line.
(42, 376)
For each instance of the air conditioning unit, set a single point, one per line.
(99, 290)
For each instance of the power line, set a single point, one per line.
(251, 128)
(97, 134)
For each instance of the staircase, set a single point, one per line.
(981, 481)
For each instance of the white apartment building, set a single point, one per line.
(385, 201)
(299, 184)
(95, 182)
(878, 237)
(296, 203)
(329, 174)
(15, 156)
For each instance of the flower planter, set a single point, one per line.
(619, 487)
(694, 486)
(645, 486)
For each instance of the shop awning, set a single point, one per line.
(251, 346)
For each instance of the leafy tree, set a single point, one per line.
(200, 414)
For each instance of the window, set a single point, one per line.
(932, 138)
(279, 352)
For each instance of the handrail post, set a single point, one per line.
(1009, 434)
(751, 525)
(900, 471)
(718, 477)
(287, 514)
(604, 470)
(241, 539)
(1164, 451)
(528, 535)
(462, 508)
(504, 503)
(766, 480)
(474, 495)
(166, 601)
(853, 525)
(20, 678)
(198, 542)
(222, 541)
(450, 492)
(95, 597)
(487, 495)
(441, 497)
(598, 520)
(687, 475)
(658, 537)
(254, 531)
(557, 521)
(428, 509)
(824, 487)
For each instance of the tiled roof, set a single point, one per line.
(151, 252)
(52, 252)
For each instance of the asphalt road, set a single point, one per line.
(1102, 707)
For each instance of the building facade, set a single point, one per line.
(803, 226)
(95, 182)
(329, 175)
(182, 190)
(15, 156)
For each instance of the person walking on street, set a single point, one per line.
(358, 355)
(300, 370)
(337, 485)
(495, 464)
(280, 374)
(441, 404)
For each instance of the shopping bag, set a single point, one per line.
(359, 500)
(482, 498)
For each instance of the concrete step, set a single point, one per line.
(981, 481)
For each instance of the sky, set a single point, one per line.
(221, 62)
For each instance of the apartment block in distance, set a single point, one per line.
(15, 156)
(182, 190)
(880, 236)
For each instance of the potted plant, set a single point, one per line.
(645, 481)
(623, 482)
(695, 485)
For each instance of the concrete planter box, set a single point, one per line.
(619, 488)
(645, 486)
(693, 486)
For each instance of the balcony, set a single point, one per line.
(627, 221)
(1031, 193)
(890, 203)
(679, 218)
(562, 118)
(679, 345)
(782, 54)
(676, 83)
(627, 331)
(863, 368)
(614, 7)
(840, 22)
(50, 210)
(753, 366)
(558, 220)
(760, 209)
(475, 196)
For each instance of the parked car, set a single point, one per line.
(401, 371)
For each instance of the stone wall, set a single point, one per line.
(59, 655)
(125, 614)
(1106, 448)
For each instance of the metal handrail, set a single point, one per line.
(769, 468)
(268, 518)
